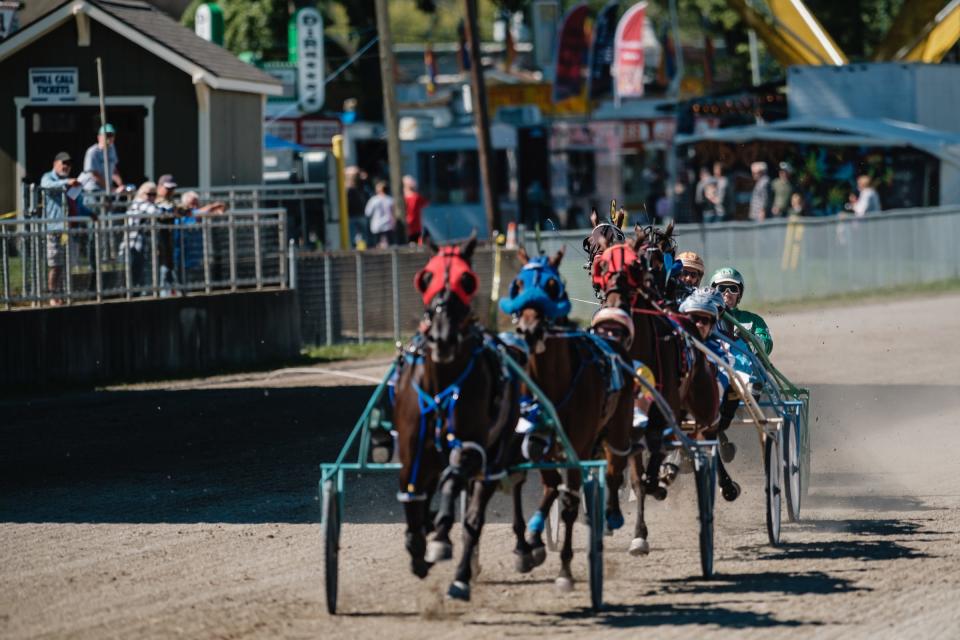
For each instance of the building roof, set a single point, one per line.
(152, 29)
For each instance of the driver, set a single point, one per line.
(729, 283)
(693, 269)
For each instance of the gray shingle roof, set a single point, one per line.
(158, 26)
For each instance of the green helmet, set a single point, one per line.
(728, 274)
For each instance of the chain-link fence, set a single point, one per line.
(50, 261)
(369, 295)
(805, 258)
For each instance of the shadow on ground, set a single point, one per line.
(790, 583)
(653, 615)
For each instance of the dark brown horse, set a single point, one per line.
(594, 400)
(625, 277)
(454, 413)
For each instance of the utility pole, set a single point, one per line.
(390, 119)
(481, 119)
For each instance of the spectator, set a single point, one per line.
(188, 237)
(55, 184)
(725, 206)
(93, 174)
(700, 203)
(782, 190)
(380, 211)
(139, 215)
(356, 204)
(167, 208)
(682, 203)
(798, 205)
(415, 204)
(760, 198)
(712, 207)
(867, 201)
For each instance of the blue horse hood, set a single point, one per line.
(538, 286)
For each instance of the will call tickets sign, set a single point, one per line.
(48, 84)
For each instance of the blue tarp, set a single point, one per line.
(273, 142)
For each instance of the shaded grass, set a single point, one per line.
(349, 351)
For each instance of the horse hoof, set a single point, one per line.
(564, 584)
(539, 555)
(614, 520)
(639, 547)
(728, 451)
(459, 591)
(523, 562)
(420, 567)
(658, 493)
(438, 551)
(731, 491)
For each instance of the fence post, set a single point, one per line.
(205, 236)
(292, 263)
(154, 258)
(232, 244)
(359, 262)
(126, 257)
(36, 261)
(6, 266)
(257, 265)
(283, 259)
(97, 270)
(328, 298)
(395, 290)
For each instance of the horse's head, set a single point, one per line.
(447, 286)
(660, 250)
(537, 296)
(621, 272)
(603, 236)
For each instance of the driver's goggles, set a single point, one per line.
(733, 288)
(701, 320)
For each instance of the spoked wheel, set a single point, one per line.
(803, 426)
(593, 492)
(551, 528)
(331, 542)
(774, 472)
(706, 476)
(791, 468)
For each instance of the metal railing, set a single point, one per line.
(805, 257)
(123, 256)
(369, 295)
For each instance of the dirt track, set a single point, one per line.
(189, 510)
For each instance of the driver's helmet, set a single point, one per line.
(691, 260)
(705, 300)
(728, 275)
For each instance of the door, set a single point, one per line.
(73, 128)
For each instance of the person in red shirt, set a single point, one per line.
(415, 204)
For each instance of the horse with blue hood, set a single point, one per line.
(579, 372)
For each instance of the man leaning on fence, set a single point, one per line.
(141, 213)
(56, 208)
(167, 209)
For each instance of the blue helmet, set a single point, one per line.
(538, 286)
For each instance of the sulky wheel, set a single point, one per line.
(593, 492)
(706, 477)
(804, 431)
(791, 467)
(331, 542)
(551, 528)
(774, 471)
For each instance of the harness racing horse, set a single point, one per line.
(624, 280)
(580, 374)
(454, 413)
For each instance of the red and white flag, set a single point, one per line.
(628, 53)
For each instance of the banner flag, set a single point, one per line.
(573, 47)
(601, 54)
(628, 53)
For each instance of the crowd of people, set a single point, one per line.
(712, 196)
(372, 212)
(179, 248)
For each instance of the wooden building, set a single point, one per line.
(180, 104)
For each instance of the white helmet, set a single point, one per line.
(704, 300)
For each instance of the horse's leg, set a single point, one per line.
(639, 545)
(550, 479)
(416, 536)
(463, 465)
(729, 488)
(480, 494)
(728, 410)
(523, 562)
(569, 510)
(615, 466)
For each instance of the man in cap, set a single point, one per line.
(54, 185)
(782, 190)
(760, 197)
(167, 208)
(96, 177)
